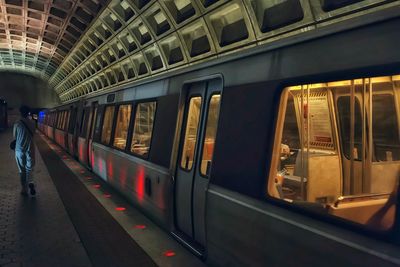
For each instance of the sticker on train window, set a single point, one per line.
(337, 149)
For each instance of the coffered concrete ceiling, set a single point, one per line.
(84, 47)
(36, 35)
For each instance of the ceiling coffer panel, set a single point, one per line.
(36, 35)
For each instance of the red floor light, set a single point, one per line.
(120, 208)
(169, 253)
(96, 186)
(82, 171)
(89, 177)
(107, 195)
(140, 226)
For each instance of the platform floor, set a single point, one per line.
(73, 221)
(34, 231)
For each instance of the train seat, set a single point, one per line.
(323, 172)
(376, 212)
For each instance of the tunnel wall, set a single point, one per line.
(18, 88)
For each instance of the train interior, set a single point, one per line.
(339, 149)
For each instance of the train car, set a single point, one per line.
(41, 122)
(3, 114)
(286, 155)
(50, 123)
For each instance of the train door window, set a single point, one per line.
(121, 129)
(210, 133)
(60, 121)
(60, 117)
(192, 125)
(64, 118)
(57, 119)
(93, 121)
(89, 123)
(72, 121)
(67, 116)
(85, 122)
(54, 122)
(336, 150)
(81, 122)
(143, 128)
(107, 125)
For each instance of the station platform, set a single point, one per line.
(75, 219)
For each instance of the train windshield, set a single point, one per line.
(339, 149)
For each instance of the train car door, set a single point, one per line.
(91, 132)
(195, 156)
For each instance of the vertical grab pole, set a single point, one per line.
(364, 134)
(352, 100)
(304, 114)
(308, 140)
(302, 142)
(370, 140)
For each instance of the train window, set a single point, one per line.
(211, 131)
(107, 125)
(385, 128)
(338, 150)
(121, 129)
(143, 129)
(192, 125)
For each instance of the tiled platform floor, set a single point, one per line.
(164, 250)
(43, 231)
(34, 231)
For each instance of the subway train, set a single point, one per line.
(286, 154)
